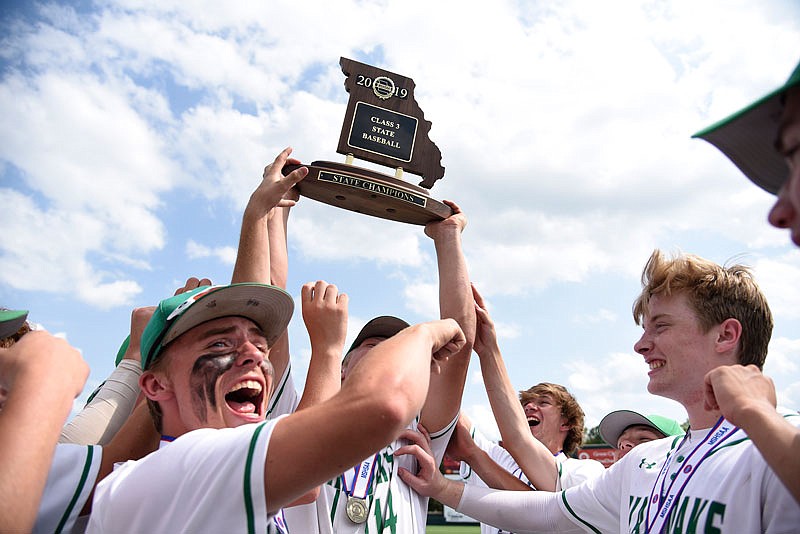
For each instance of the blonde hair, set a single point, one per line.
(715, 293)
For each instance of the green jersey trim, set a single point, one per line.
(277, 395)
(87, 465)
(445, 430)
(571, 511)
(248, 493)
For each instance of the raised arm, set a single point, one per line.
(455, 301)
(253, 255)
(40, 376)
(746, 397)
(314, 445)
(535, 460)
(515, 511)
(462, 447)
(102, 417)
(262, 255)
(325, 316)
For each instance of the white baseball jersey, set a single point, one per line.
(208, 480)
(284, 397)
(70, 481)
(571, 471)
(734, 490)
(393, 506)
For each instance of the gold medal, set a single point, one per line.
(357, 509)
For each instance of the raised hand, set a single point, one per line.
(457, 221)
(735, 389)
(485, 333)
(325, 315)
(192, 283)
(448, 339)
(275, 189)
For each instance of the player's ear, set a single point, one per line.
(155, 385)
(565, 425)
(729, 332)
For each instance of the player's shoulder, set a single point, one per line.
(574, 471)
(791, 416)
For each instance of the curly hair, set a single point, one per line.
(715, 293)
(7, 342)
(570, 410)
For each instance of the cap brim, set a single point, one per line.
(11, 321)
(269, 307)
(384, 326)
(748, 136)
(122, 350)
(613, 424)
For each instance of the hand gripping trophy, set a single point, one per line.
(384, 125)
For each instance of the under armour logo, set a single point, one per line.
(647, 465)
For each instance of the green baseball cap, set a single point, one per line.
(122, 350)
(748, 137)
(614, 424)
(267, 306)
(11, 321)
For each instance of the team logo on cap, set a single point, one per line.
(191, 300)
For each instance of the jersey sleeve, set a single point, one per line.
(780, 512)
(284, 399)
(440, 439)
(72, 476)
(468, 476)
(572, 472)
(594, 505)
(209, 480)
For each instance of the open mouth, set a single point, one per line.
(246, 397)
(656, 364)
(533, 421)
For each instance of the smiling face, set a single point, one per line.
(676, 348)
(546, 422)
(216, 375)
(786, 211)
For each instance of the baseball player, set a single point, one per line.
(696, 317)
(220, 467)
(541, 429)
(34, 403)
(369, 496)
(762, 140)
(625, 429)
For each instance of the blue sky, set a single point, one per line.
(133, 133)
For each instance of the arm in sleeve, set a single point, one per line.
(103, 416)
(516, 511)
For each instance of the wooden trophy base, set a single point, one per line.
(369, 192)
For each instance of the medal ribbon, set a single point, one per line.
(662, 500)
(361, 479)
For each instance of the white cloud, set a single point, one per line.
(616, 382)
(46, 251)
(483, 419)
(777, 277)
(195, 250)
(600, 316)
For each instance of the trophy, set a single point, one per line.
(384, 125)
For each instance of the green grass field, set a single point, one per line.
(452, 529)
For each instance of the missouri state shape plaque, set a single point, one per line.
(383, 124)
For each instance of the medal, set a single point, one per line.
(357, 509)
(356, 483)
